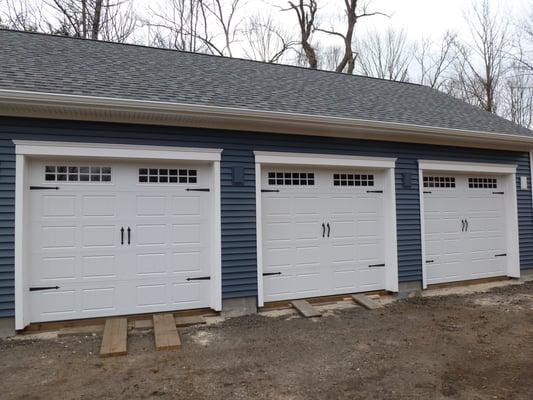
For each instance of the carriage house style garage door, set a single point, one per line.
(115, 238)
(468, 225)
(323, 230)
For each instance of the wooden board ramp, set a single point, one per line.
(115, 340)
(165, 332)
(365, 301)
(306, 309)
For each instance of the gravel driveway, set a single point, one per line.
(475, 346)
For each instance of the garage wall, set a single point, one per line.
(238, 201)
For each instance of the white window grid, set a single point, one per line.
(482, 183)
(168, 175)
(77, 174)
(291, 178)
(439, 182)
(343, 179)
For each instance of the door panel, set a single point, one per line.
(464, 230)
(320, 238)
(77, 243)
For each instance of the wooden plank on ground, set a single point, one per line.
(306, 309)
(115, 340)
(165, 332)
(365, 301)
(189, 321)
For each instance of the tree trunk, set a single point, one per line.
(96, 19)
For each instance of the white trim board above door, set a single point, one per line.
(28, 152)
(506, 176)
(383, 166)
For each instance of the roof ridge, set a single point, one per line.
(53, 35)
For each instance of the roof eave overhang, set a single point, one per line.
(88, 108)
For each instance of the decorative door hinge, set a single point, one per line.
(498, 192)
(44, 187)
(501, 255)
(198, 190)
(271, 273)
(38, 289)
(376, 265)
(374, 191)
(269, 190)
(200, 278)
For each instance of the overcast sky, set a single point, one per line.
(417, 17)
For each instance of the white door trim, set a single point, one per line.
(26, 149)
(388, 164)
(452, 166)
(331, 160)
(114, 151)
(508, 174)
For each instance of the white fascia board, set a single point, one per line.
(102, 150)
(119, 110)
(265, 157)
(452, 166)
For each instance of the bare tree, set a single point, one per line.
(179, 25)
(524, 42)
(205, 26)
(483, 60)
(305, 11)
(517, 95)
(353, 11)
(433, 61)
(24, 15)
(266, 41)
(330, 57)
(224, 17)
(385, 56)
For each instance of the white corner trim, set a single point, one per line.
(21, 300)
(216, 282)
(422, 227)
(391, 240)
(102, 150)
(511, 211)
(452, 166)
(265, 157)
(259, 236)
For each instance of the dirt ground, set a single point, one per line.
(476, 346)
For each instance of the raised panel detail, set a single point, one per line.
(59, 206)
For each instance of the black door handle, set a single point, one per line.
(129, 235)
(329, 229)
(466, 230)
(463, 227)
(122, 236)
(323, 229)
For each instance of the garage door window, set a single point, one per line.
(69, 173)
(291, 178)
(482, 183)
(353, 180)
(439, 182)
(167, 175)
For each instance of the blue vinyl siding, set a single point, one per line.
(238, 201)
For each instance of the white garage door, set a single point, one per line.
(117, 238)
(464, 219)
(323, 232)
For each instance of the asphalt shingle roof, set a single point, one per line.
(53, 64)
